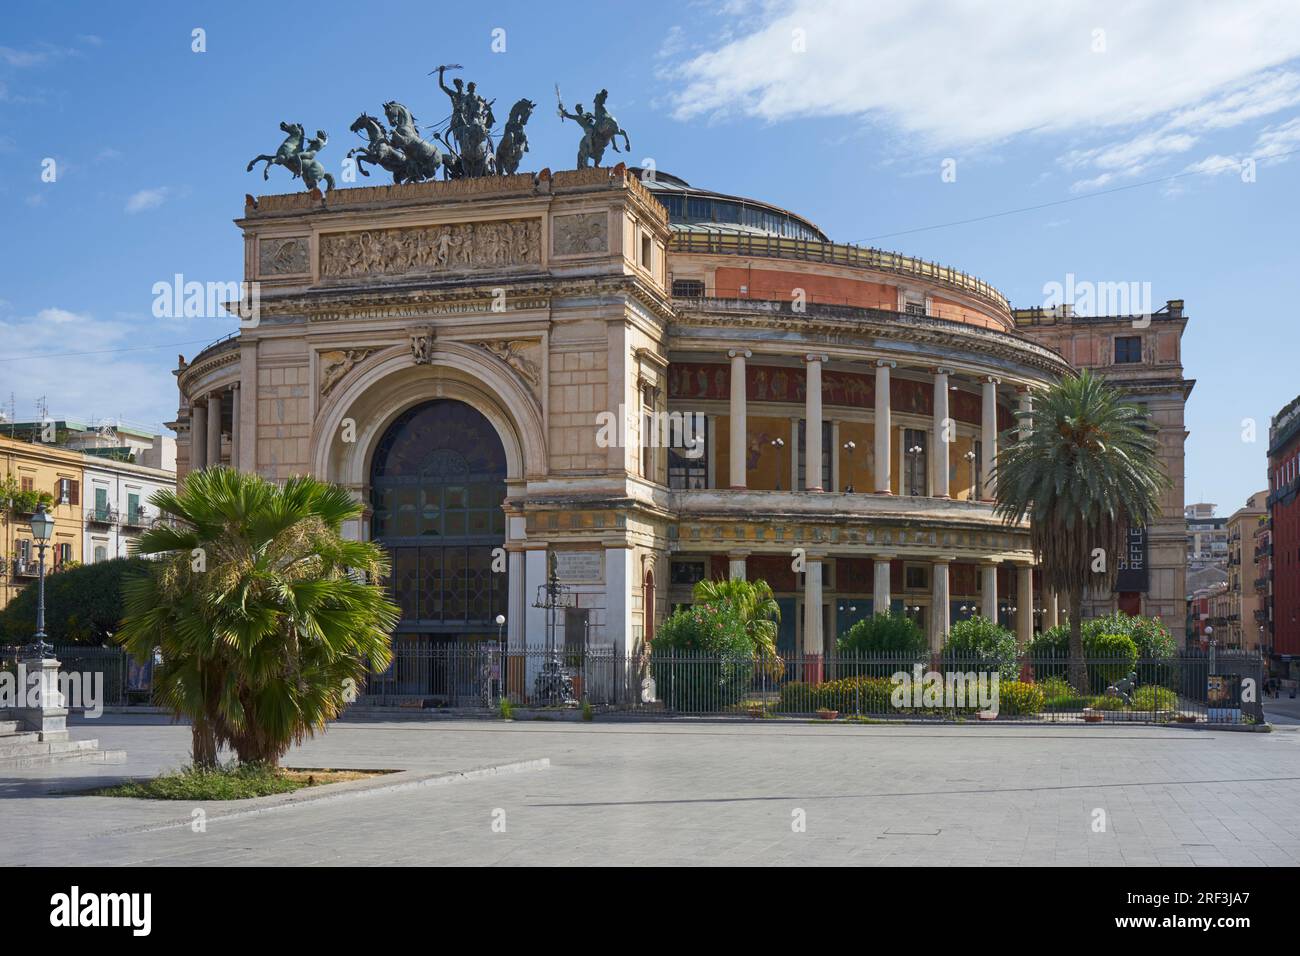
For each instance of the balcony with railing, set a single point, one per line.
(105, 516)
(135, 519)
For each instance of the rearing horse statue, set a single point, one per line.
(378, 152)
(514, 141)
(297, 157)
(423, 158)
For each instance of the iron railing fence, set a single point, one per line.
(124, 682)
(1224, 687)
(1190, 686)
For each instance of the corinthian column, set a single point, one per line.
(882, 471)
(739, 428)
(988, 439)
(813, 417)
(939, 463)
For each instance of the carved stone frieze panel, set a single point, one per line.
(287, 256)
(581, 234)
(454, 247)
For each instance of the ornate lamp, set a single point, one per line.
(42, 531)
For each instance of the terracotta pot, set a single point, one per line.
(827, 714)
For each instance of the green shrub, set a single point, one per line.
(83, 605)
(1115, 657)
(985, 641)
(1019, 698)
(884, 634)
(724, 670)
(1149, 635)
(1151, 697)
(1102, 702)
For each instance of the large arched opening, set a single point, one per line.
(437, 484)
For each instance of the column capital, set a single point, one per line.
(992, 380)
(739, 353)
(885, 363)
(884, 556)
(738, 555)
(817, 555)
(816, 357)
(943, 370)
(990, 562)
(943, 559)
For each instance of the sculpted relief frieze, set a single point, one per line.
(582, 234)
(522, 355)
(335, 365)
(291, 256)
(455, 247)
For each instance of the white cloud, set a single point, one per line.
(147, 199)
(134, 385)
(963, 75)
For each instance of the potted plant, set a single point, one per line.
(825, 713)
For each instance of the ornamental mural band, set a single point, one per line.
(466, 144)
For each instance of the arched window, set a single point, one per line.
(437, 486)
(648, 596)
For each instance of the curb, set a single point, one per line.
(350, 790)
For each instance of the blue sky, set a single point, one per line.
(842, 111)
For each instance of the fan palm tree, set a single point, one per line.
(753, 603)
(1086, 472)
(266, 617)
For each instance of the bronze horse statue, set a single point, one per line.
(297, 157)
(514, 141)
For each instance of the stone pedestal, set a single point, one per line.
(41, 705)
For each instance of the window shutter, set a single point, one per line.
(74, 492)
(27, 483)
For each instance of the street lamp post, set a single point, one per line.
(42, 530)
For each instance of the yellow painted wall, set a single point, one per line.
(45, 465)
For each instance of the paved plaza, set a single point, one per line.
(701, 793)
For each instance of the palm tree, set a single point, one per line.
(265, 615)
(753, 603)
(1086, 472)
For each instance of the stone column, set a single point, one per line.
(938, 603)
(214, 429)
(812, 618)
(989, 592)
(534, 617)
(939, 453)
(234, 427)
(836, 451)
(1053, 615)
(794, 454)
(1024, 604)
(882, 471)
(813, 416)
(739, 428)
(619, 573)
(198, 435)
(880, 585)
(516, 600)
(1026, 406)
(988, 438)
(736, 569)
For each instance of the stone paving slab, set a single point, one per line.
(658, 793)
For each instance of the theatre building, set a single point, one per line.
(649, 382)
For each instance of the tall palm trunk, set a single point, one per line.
(203, 744)
(1077, 668)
